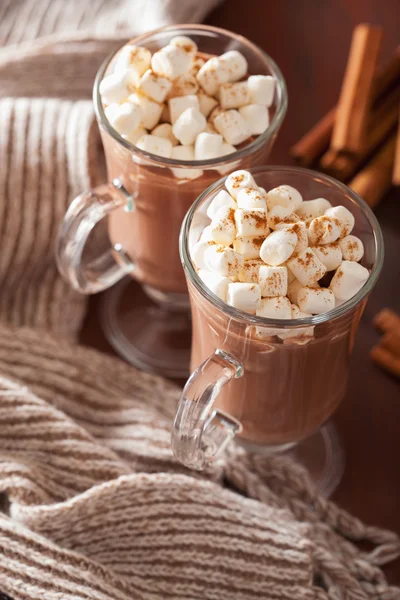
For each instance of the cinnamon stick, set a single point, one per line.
(391, 342)
(387, 320)
(396, 169)
(386, 360)
(315, 141)
(355, 96)
(375, 179)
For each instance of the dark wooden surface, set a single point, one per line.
(310, 39)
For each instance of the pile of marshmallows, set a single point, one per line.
(266, 252)
(205, 110)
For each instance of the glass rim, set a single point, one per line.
(240, 315)
(260, 140)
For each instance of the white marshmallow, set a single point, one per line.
(307, 267)
(227, 149)
(315, 300)
(244, 296)
(232, 126)
(273, 281)
(207, 146)
(229, 166)
(348, 279)
(284, 195)
(134, 136)
(155, 145)
(251, 222)
(124, 117)
(115, 88)
(238, 180)
(324, 230)
(330, 255)
(154, 86)
(297, 332)
(248, 247)
(188, 125)
(278, 247)
(178, 105)
(293, 290)
(215, 113)
(275, 308)
(135, 58)
(212, 75)
(256, 117)
(310, 209)
(233, 95)
(151, 110)
(171, 62)
(184, 43)
(345, 218)
(352, 248)
(197, 252)
(206, 103)
(250, 270)
(298, 314)
(184, 153)
(217, 284)
(300, 230)
(185, 85)
(235, 63)
(261, 89)
(223, 261)
(279, 215)
(197, 63)
(206, 235)
(164, 130)
(223, 230)
(220, 199)
(249, 198)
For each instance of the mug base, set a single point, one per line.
(150, 336)
(321, 454)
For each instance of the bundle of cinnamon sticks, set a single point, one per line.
(386, 354)
(356, 141)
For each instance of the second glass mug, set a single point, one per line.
(269, 383)
(146, 200)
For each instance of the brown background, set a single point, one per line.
(310, 40)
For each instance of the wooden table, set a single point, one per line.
(310, 39)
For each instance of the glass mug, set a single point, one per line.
(269, 392)
(148, 196)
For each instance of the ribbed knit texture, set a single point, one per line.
(98, 508)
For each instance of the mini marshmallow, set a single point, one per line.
(164, 130)
(310, 209)
(232, 126)
(171, 62)
(298, 314)
(217, 284)
(135, 58)
(215, 113)
(330, 255)
(251, 222)
(178, 105)
(212, 75)
(185, 85)
(155, 145)
(197, 252)
(151, 110)
(261, 89)
(324, 230)
(293, 289)
(220, 199)
(233, 95)
(256, 117)
(124, 117)
(184, 153)
(273, 281)
(307, 267)
(238, 180)
(348, 280)
(154, 86)
(206, 103)
(197, 63)
(250, 270)
(275, 308)
(249, 198)
(315, 300)
(244, 296)
(188, 125)
(345, 218)
(284, 195)
(248, 247)
(206, 234)
(115, 88)
(134, 136)
(207, 146)
(184, 43)
(223, 230)
(297, 332)
(223, 261)
(300, 230)
(235, 63)
(279, 215)
(278, 247)
(352, 248)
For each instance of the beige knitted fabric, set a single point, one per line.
(99, 509)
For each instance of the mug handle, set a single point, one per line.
(84, 213)
(199, 433)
